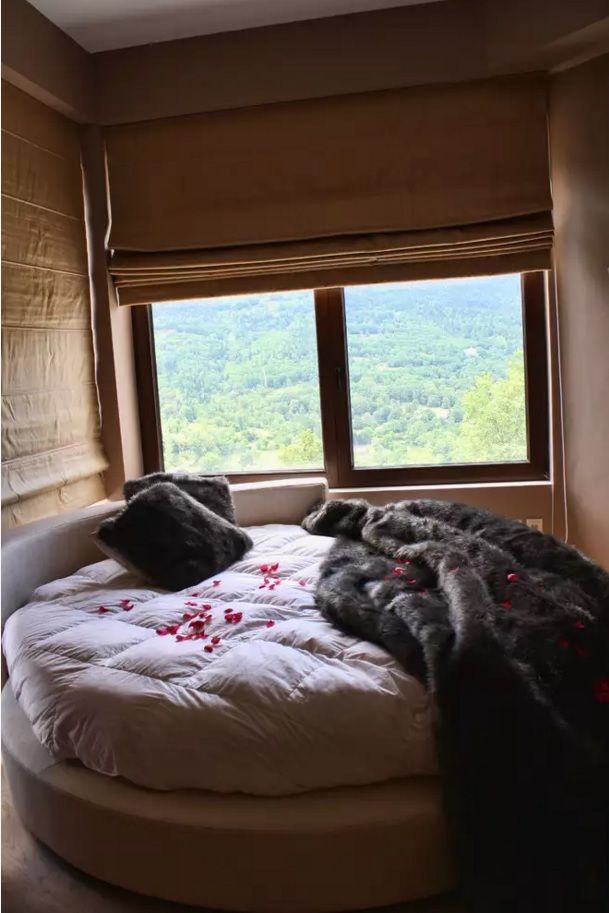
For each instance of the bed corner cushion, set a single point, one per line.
(170, 538)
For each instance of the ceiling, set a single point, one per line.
(101, 26)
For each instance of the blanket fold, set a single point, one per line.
(509, 629)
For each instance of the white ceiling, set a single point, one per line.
(99, 25)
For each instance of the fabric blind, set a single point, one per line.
(52, 456)
(430, 181)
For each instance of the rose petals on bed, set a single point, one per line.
(126, 604)
(231, 617)
(271, 578)
(102, 610)
(270, 623)
(167, 629)
(512, 577)
(601, 690)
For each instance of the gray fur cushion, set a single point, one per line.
(211, 491)
(171, 539)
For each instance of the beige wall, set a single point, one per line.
(40, 59)
(436, 42)
(579, 126)
(416, 45)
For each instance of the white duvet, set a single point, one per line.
(270, 699)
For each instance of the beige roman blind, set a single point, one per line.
(408, 183)
(52, 456)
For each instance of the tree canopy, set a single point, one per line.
(436, 376)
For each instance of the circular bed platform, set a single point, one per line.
(330, 850)
(338, 849)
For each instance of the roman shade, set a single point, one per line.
(408, 183)
(52, 457)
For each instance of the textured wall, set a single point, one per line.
(579, 129)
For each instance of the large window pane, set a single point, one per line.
(238, 383)
(437, 372)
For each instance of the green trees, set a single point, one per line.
(304, 452)
(436, 376)
(494, 417)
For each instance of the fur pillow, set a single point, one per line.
(211, 491)
(170, 538)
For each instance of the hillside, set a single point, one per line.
(436, 376)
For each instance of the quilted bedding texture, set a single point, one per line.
(269, 699)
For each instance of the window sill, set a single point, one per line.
(519, 500)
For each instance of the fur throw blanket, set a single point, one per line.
(509, 629)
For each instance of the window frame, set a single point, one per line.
(334, 390)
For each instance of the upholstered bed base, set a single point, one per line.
(333, 850)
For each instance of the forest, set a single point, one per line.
(436, 376)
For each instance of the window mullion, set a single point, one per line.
(333, 384)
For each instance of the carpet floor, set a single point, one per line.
(35, 880)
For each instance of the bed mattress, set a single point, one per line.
(234, 685)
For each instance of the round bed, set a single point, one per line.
(229, 851)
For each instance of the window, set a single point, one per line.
(385, 384)
(436, 372)
(238, 387)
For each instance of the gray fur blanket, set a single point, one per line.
(509, 629)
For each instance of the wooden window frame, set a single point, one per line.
(336, 413)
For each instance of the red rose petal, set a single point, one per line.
(208, 648)
(173, 629)
(579, 625)
(302, 583)
(102, 610)
(506, 604)
(512, 577)
(398, 571)
(601, 690)
(162, 632)
(564, 643)
(216, 583)
(270, 624)
(180, 638)
(411, 580)
(215, 639)
(264, 568)
(187, 616)
(275, 567)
